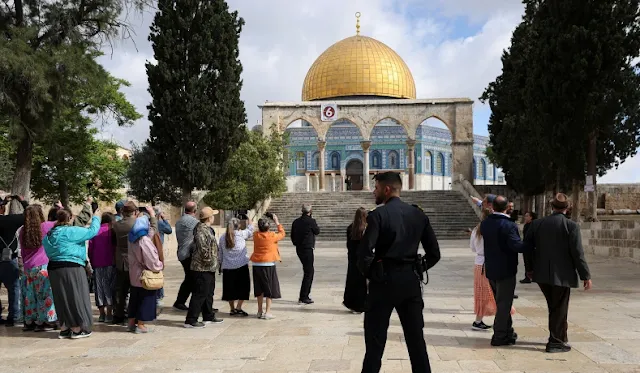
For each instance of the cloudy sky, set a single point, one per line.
(452, 47)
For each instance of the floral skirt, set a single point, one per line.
(484, 302)
(37, 297)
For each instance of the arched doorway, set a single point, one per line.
(354, 172)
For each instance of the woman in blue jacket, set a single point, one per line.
(66, 248)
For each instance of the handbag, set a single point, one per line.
(152, 280)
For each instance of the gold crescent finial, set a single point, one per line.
(357, 23)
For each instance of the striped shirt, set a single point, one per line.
(237, 256)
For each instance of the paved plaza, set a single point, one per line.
(604, 329)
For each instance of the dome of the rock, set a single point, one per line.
(358, 67)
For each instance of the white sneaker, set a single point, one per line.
(259, 315)
(267, 316)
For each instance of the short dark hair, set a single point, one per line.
(190, 207)
(500, 204)
(533, 215)
(390, 179)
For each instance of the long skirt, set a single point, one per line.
(236, 283)
(142, 304)
(355, 290)
(484, 302)
(37, 297)
(105, 283)
(71, 296)
(265, 282)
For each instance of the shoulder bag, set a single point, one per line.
(152, 280)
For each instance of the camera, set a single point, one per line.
(269, 215)
(142, 209)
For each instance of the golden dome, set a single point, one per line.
(358, 66)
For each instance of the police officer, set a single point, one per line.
(395, 230)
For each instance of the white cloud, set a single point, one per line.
(282, 38)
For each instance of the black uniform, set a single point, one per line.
(394, 231)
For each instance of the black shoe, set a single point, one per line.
(515, 296)
(526, 280)
(118, 320)
(180, 307)
(81, 334)
(214, 321)
(29, 327)
(306, 301)
(241, 313)
(195, 325)
(503, 342)
(215, 310)
(46, 327)
(557, 347)
(65, 334)
(9, 323)
(480, 326)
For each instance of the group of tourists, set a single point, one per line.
(553, 256)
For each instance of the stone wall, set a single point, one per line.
(618, 238)
(610, 196)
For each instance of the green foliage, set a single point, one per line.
(7, 159)
(48, 49)
(149, 178)
(253, 173)
(568, 76)
(72, 165)
(197, 117)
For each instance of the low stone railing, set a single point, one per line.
(466, 188)
(616, 238)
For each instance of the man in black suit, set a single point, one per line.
(558, 256)
(502, 244)
(303, 236)
(394, 230)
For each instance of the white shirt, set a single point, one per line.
(477, 246)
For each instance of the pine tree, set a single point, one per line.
(197, 116)
(573, 98)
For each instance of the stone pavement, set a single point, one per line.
(604, 329)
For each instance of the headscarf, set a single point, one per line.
(140, 229)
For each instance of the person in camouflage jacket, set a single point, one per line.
(204, 264)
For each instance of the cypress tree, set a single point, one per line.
(197, 116)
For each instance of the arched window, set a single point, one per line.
(439, 164)
(335, 160)
(426, 164)
(376, 159)
(301, 163)
(393, 160)
(490, 172)
(482, 170)
(316, 161)
(450, 165)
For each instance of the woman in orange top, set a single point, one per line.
(264, 258)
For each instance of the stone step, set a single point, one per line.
(449, 212)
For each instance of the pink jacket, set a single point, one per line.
(143, 254)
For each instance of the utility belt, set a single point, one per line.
(380, 267)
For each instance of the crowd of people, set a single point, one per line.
(46, 264)
(50, 266)
(553, 257)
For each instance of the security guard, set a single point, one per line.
(395, 230)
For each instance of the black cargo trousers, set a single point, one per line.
(401, 289)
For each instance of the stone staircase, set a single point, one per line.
(448, 211)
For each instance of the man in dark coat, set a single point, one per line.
(559, 261)
(387, 257)
(303, 236)
(501, 247)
